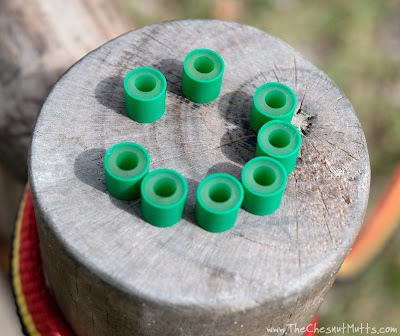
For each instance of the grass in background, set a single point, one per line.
(357, 43)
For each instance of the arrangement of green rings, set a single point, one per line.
(219, 196)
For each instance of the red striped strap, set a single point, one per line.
(37, 309)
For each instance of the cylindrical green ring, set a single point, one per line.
(164, 193)
(145, 92)
(264, 180)
(202, 75)
(219, 197)
(272, 101)
(125, 166)
(281, 141)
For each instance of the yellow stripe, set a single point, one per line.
(19, 295)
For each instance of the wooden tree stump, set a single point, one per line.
(114, 274)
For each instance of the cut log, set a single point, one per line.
(114, 274)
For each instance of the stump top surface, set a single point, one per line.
(260, 258)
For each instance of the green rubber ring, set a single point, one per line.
(164, 193)
(145, 92)
(281, 141)
(219, 197)
(264, 180)
(125, 165)
(272, 101)
(202, 75)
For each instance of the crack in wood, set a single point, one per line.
(323, 161)
(297, 227)
(251, 240)
(245, 80)
(327, 226)
(325, 93)
(265, 78)
(276, 76)
(322, 197)
(302, 100)
(336, 147)
(156, 40)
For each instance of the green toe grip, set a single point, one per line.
(125, 165)
(202, 75)
(272, 101)
(281, 141)
(145, 92)
(264, 180)
(219, 197)
(164, 193)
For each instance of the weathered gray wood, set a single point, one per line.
(114, 274)
(39, 40)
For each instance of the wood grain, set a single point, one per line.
(114, 274)
(39, 40)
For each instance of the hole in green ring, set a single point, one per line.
(165, 187)
(145, 83)
(264, 176)
(127, 161)
(275, 99)
(204, 64)
(220, 192)
(279, 138)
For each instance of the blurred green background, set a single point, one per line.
(357, 43)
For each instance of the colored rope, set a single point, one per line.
(37, 309)
(312, 327)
